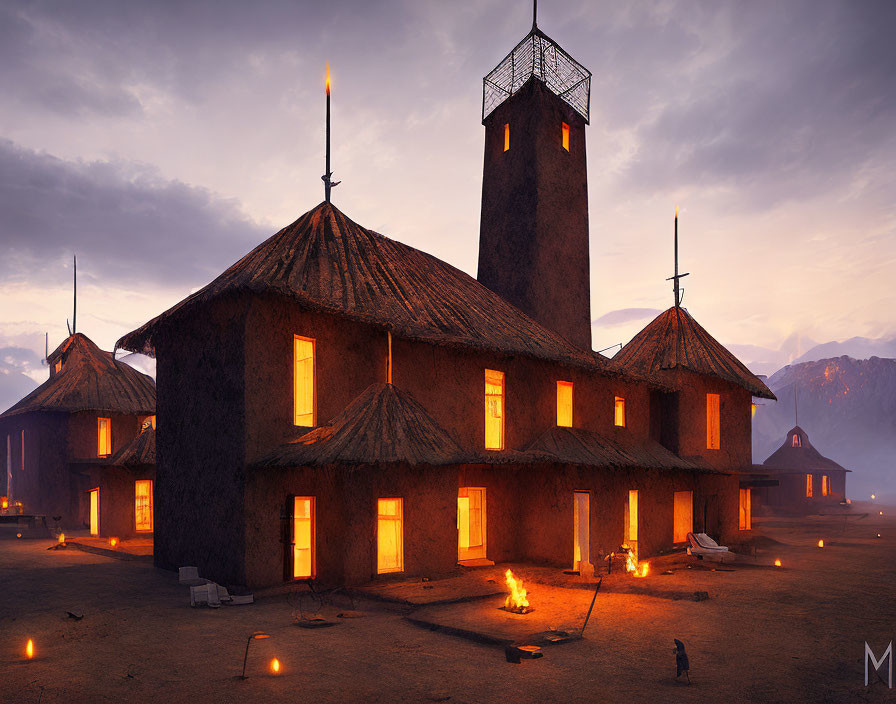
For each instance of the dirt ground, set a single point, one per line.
(765, 635)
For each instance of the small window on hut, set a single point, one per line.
(825, 485)
(494, 410)
(565, 133)
(564, 404)
(103, 437)
(147, 421)
(143, 505)
(808, 486)
(506, 136)
(58, 367)
(796, 440)
(303, 537)
(619, 411)
(746, 511)
(712, 422)
(303, 363)
(389, 536)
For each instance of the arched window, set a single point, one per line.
(796, 440)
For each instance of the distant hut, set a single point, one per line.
(60, 435)
(808, 481)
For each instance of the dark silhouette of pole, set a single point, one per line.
(675, 279)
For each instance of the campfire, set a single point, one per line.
(633, 567)
(516, 602)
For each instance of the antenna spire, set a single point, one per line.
(329, 184)
(534, 14)
(75, 295)
(796, 406)
(676, 289)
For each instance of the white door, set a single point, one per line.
(95, 512)
(581, 523)
(470, 523)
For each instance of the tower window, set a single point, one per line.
(619, 411)
(808, 486)
(303, 391)
(564, 404)
(825, 485)
(58, 367)
(565, 130)
(796, 440)
(506, 136)
(494, 410)
(104, 437)
(712, 422)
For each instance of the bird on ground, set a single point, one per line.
(681, 660)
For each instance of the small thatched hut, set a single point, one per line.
(59, 436)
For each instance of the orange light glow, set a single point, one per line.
(517, 597)
(4, 503)
(113, 542)
(676, 213)
(777, 563)
(18, 535)
(821, 543)
(881, 513)
(328, 77)
(29, 649)
(633, 567)
(873, 496)
(275, 666)
(62, 538)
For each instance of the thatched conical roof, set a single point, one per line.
(804, 458)
(327, 262)
(383, 425)
(138, 452)
(674, 340)
(584, 447)
(90, 380)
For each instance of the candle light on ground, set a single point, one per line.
(777, 563)
(275, 666)
(29, 649)
(821, 543)
(113, 542)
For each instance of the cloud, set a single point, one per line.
(19, 368)
(124, 221)
(625, 315)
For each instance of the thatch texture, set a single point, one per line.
(583, 447)
(139, 452)
(674, 340)
(802, 459)
(90, 380)
(329, 263)
(383, 425)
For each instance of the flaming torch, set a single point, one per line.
(29, 649)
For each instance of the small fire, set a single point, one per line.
(821, 543)
(275, 666)
(113, 542)
(632, 565)
(29, 649)
(62, 538)
(676, 212)
(4, 502)
(517, 597)
(777, 563)
(328, 77)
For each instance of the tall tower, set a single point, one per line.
(533, 237)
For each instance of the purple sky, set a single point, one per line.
(161, 141)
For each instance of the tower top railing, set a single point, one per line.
(539, 56)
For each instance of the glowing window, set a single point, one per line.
(632, 517)
(95, 512)
(796, 440)
(683, 515)
(564, 404)
(712, 422)
(303, 537)
(619, 412)
(146, 421)
(103, 437)
(494, 410)
(143, 505)
(58, 367)
(746, 512)
(825, 485)
(506, 136)
(303, 356)
(752, 410)
(22, 466)
(390, 536)
(808, 486)
(565, 131)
